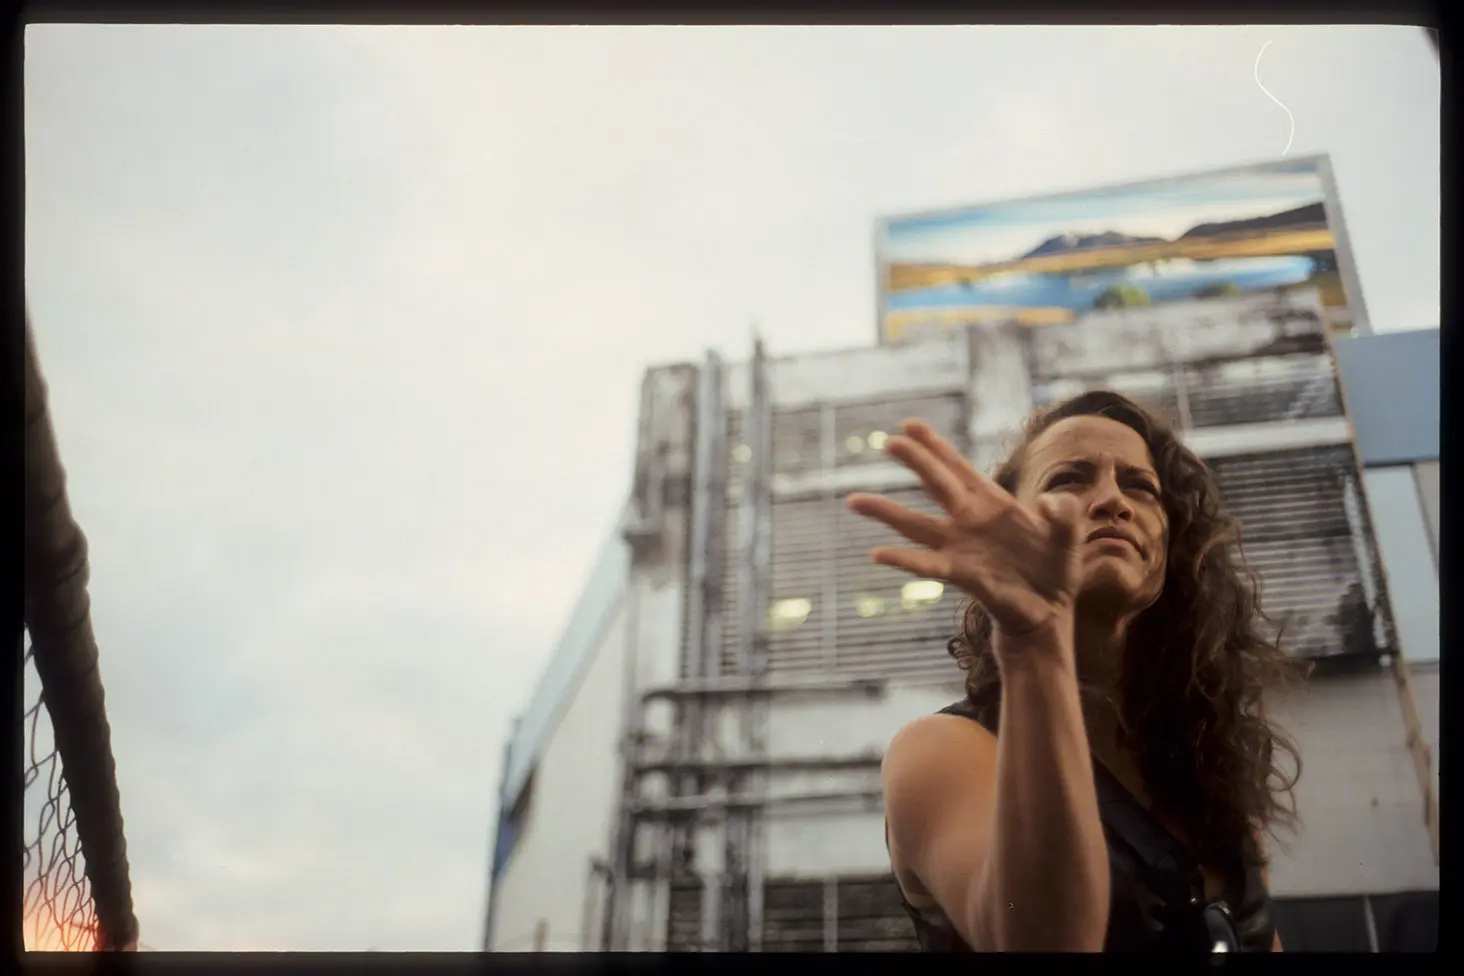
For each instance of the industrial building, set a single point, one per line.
(698, 768)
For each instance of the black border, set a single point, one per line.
(1433, 15)
(1236, 12)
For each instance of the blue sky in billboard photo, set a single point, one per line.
(1008, 230)
(344, 330)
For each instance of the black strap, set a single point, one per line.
(1172, 869)
(1172, 872)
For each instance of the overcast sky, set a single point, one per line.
(344, 329)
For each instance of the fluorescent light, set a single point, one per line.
(789, 613)
(920, 593)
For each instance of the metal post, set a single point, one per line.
(1372, 924)
(828, 635)
(622, 845)
(831, 915)
(1422, 761)
(1181, 395)
(753, 643)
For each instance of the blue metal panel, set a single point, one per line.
(1403, 540)
(572, 656)
(1391, 381)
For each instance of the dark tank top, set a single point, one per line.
(1157, 900)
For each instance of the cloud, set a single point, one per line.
(345, 328)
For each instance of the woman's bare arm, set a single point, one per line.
(1004, 832)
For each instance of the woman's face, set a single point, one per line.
(1123, 529)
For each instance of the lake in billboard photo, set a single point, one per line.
(1054, 259)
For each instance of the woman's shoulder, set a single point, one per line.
(982, 707)
(929, 739)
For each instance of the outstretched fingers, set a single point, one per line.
(942, 484)
(920, 431)
(916, 562)
(926, 530)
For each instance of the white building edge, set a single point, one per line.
(680, 782)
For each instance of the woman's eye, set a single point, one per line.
(1058, 480)
(1145, 486)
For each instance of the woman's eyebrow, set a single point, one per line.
(1088, 466)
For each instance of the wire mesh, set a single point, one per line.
(59, 914)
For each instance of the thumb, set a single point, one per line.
(1062, 512)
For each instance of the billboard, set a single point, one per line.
(1266, 228)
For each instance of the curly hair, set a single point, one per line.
(1191, 705)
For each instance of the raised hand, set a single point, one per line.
(1020, 563)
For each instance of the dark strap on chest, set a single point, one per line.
(1167, 866)
(1123, 817)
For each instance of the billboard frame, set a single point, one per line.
(1331, 203)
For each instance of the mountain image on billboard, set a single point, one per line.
(1050, 260)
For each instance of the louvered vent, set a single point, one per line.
(1156, 391)
(1265, 390)
(855, 914)
(871, 918)
(830, 610)
(793, 916)
(858, 428)
(684, 918)
(886, 623)
(1302, 533)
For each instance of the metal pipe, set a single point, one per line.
(760, 571)
(829, 596)
(597, 881)
(622, 840)
(743, 801)
(751, 687)
(867, 760)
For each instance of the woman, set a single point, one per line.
(1106, 781)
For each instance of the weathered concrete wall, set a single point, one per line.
(1359, 797)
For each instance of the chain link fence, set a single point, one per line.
(58, 911)
(70, 782)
